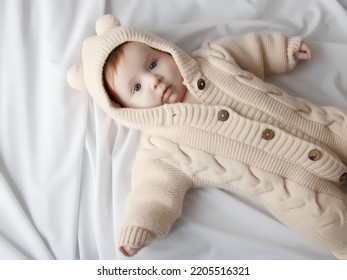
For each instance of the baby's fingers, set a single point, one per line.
(128, 251)
(304, 52)
(303, 56)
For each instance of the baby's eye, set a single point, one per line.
(153, 64)
(137, 88)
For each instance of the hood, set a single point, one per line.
(89, 74)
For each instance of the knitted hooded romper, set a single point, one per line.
(246, 136)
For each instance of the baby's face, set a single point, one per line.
(147, 78)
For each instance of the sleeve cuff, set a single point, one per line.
(293, 46)
(135, 237)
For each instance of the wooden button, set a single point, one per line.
(201, 84)
(344, 188)
(343, 177)
(314, 155)
(268, 134)
(223, 115)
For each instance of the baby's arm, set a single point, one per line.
(154, 203)
(265, 54)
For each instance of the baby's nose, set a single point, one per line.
(156, 80)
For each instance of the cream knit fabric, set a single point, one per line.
(246, 136)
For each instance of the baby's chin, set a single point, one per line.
(170, 100)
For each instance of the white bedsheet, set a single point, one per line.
(65, 166)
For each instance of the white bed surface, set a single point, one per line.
(65, 166)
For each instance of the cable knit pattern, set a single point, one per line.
(322, 215)
(245, 136)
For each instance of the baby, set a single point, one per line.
(209, 120)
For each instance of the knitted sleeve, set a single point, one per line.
(262, 54)
(155, 201)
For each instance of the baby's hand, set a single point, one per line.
(133, 243)
(129, 251)
(304, 53)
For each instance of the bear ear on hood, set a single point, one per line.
(105, 22)
(75, 78)
(74, 75)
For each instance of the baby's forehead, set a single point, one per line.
(135, 57)
(136, 53)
